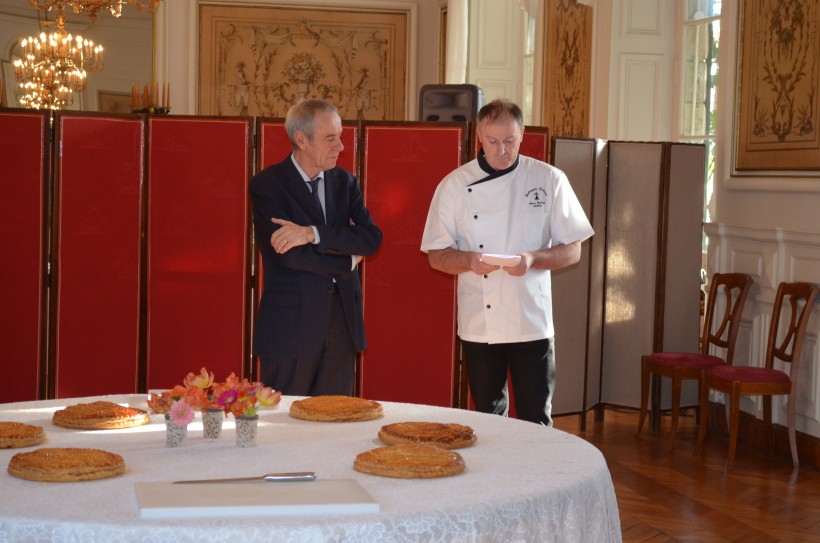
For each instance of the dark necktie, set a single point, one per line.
(314, 189)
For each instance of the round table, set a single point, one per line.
(523, 482)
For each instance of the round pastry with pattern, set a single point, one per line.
(335, 409)
(410, 461)
(59, 465)
(100, 415)
(14, 435)
(447, 435)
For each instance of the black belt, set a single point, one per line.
(333, 289)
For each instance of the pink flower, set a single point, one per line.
(181, 413)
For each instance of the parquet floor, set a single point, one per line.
(674, 495)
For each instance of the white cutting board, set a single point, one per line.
(320, 497)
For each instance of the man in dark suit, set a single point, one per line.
(310, 324)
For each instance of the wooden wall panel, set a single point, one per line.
(24, 142)
(96, 268)
(198, 239)
(409, 309)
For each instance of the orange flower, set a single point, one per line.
(204, 380)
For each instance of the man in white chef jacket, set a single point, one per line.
(501, 222)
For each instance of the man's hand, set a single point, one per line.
(480, 267)
(289, 235)
(523, 265)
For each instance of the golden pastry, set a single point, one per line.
(14, 435)
(335, 409)
(100, 416)
(410, 461)
(447, 435)
(66, 465)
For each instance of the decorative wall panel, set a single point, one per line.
(568, 68)
(260, 60)
(778, 110)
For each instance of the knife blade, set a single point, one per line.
(300, 476)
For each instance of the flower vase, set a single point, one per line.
(174, 434)
(246, 431)
(212, 423)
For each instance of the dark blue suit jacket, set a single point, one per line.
(295, 308)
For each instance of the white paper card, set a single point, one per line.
(501, 260)
(322, 497)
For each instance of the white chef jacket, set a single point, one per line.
(530, 207)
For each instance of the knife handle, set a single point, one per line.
(283, 477)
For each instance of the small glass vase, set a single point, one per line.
(246, 431)
(212, 423)
(174, 435)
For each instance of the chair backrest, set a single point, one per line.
(722, 333)
(793, 301)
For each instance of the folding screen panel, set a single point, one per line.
(535, 143)
(409, 309)
(274, 145)
(683, 241)
(654, 219)
(633, 222)
(197, 247)
(24, 150)
(95, 320)
(577, 292)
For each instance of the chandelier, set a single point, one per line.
(91, 7)
(53, 67)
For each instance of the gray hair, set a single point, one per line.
(499, 110)
(300, 118)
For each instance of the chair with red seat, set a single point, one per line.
(718, 331)
(794, 302)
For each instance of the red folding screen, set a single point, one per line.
(197, 247)
(535, 143)
(409, 309)
(274, 145)
(24, 150)
(96, 246)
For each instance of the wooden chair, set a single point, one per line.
(719, 331)
(794, 302)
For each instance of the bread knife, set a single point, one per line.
(268, 477)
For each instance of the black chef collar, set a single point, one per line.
(482, 162)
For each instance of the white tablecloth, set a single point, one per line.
(523, 483)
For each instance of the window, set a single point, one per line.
(701, 35)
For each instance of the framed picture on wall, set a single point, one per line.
(113, 102)
(260, 60)
(778, 100)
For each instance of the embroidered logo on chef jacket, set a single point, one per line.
(536, 197)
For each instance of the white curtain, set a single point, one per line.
(458, 19)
